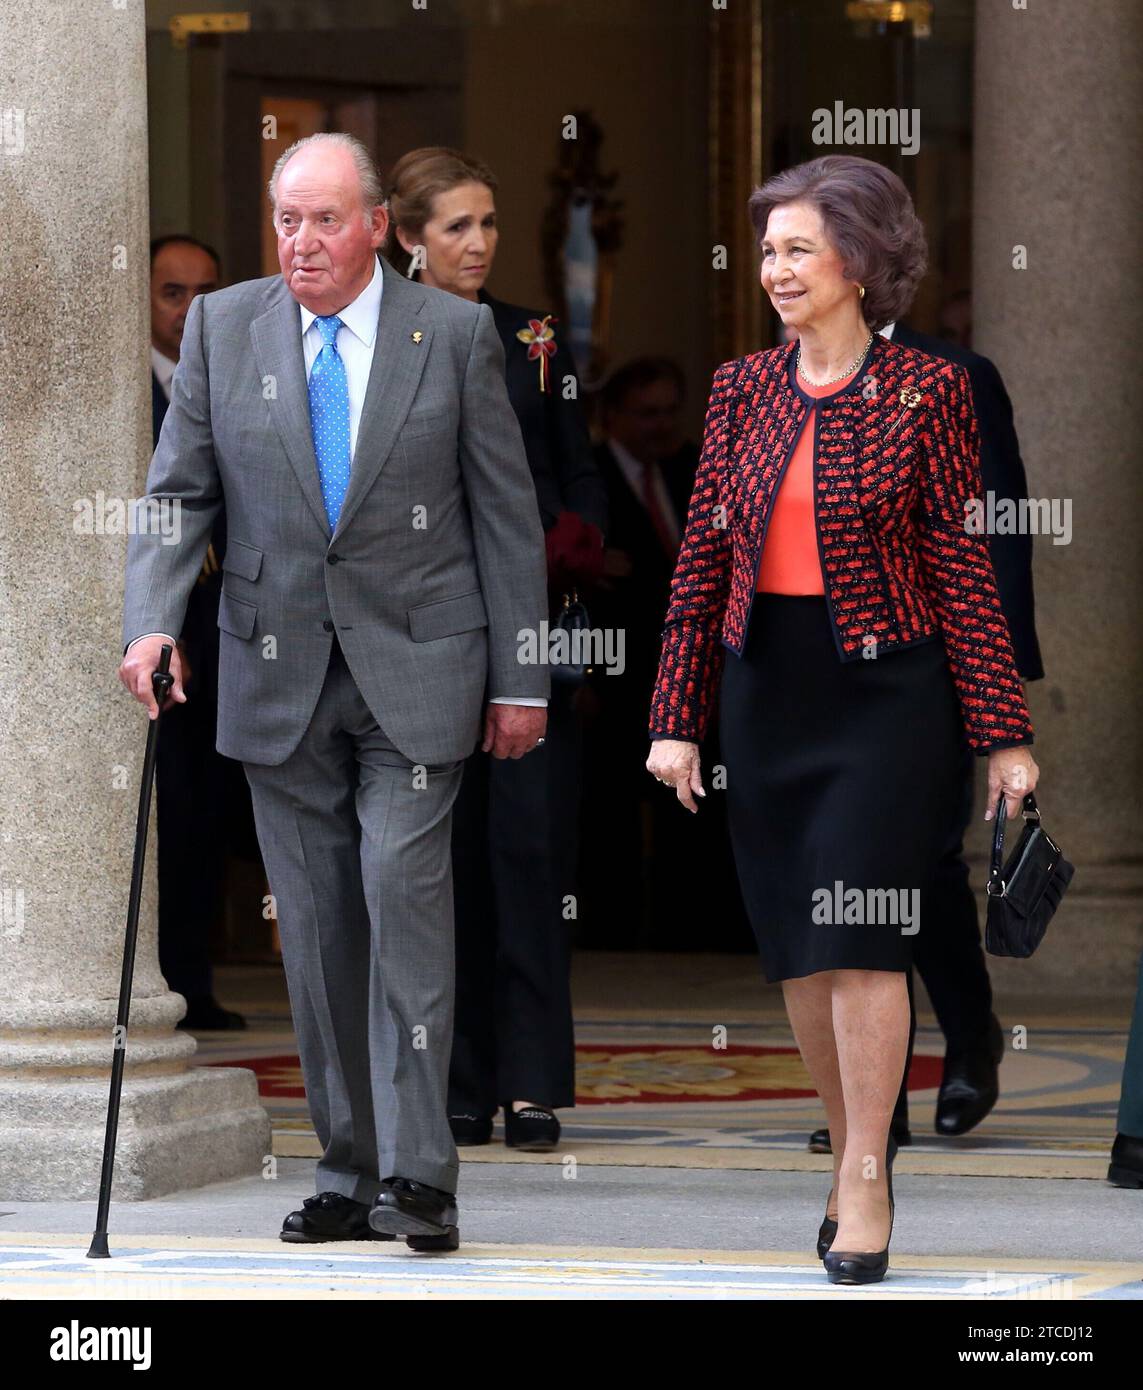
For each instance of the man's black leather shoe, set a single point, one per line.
(329, 1216)
(425, 1216)
(1126, 1169)
(970, 1086)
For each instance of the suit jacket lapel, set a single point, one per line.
(277, 340)
(398, 362)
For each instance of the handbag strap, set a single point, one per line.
(995, 885)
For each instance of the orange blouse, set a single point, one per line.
(790, 562)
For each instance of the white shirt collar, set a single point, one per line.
(163, 368)
(625, 458)
(360, 317)
(887, 331)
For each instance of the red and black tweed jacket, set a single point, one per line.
(896, 458)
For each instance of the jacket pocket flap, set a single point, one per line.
(235, 616)
(242, 559)
(447, 616)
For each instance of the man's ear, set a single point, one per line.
(380, 225)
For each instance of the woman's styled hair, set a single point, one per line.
(869, 220)
(414, 183)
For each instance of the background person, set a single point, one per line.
(513, 839)
(632, 838)
(202, 800)
(948, 954)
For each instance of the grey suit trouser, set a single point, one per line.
(356, 843)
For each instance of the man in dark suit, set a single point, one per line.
(948, 951)
(649, 469)
(181, 267)
(200, 793)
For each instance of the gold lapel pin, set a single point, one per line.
(417, 336)
(910, 397)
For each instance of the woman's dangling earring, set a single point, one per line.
(861, 291)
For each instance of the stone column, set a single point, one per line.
(75, 440)
(1057, 152)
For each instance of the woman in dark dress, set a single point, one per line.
(514, 842)
(826, 548)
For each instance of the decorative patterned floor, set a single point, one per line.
(663, 1092)
(38, 1267)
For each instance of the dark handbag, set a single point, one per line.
(1025, 892)
(571, 619)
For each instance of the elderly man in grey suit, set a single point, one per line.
(385, 558)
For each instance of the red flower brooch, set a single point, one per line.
(542, 344)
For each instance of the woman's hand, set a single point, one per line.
(676, 764)
(1012, 771)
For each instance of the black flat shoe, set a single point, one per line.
(862, 1266)
(469, 1129)
(820, 1141)
(329, 1216)
(425, 1216)
(970, 1085)
(1126, 1168)
(534, 1130)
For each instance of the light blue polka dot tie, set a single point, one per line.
(329, 419)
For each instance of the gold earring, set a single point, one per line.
(861, 291)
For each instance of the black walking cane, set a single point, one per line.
(161, 682)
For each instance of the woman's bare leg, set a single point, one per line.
(809, 1003)
(871, 1030)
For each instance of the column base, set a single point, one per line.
(180, 1131)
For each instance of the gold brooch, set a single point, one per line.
(910, 397)
(417, 336)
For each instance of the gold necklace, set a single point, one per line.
(841, 375)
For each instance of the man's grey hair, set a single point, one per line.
(370, 180)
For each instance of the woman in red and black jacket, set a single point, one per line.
(829, 593)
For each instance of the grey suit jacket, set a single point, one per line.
(437, 563)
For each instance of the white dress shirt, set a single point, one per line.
(163, 368)
(355, 342)
(632, 470)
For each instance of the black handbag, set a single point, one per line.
(572, 618)
(1025, 892)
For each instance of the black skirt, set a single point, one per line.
(842, 779)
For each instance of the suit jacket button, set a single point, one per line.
(332, 559)
(327, 625)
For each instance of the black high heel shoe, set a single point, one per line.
(826, 1232)
(861, 1266)
(828, 1229)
